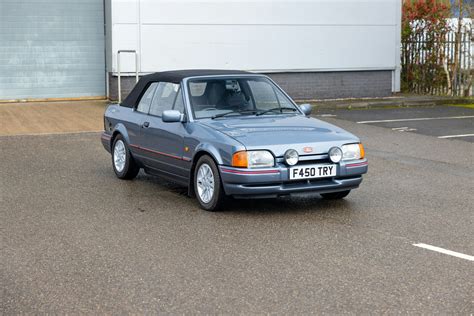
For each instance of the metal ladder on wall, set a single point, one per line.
(119, 91)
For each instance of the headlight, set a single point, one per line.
(260, 159)
(291, 157)
(353, 152)
(253, 159)
(335, 154)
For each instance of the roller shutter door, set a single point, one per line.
(51, 49)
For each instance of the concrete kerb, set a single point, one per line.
(388, 102)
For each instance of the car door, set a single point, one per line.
(164, 141)
(135, 124)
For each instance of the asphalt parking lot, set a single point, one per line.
(449, 122)
(75, 239)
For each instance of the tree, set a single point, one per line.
(436, 52)
(424, 28)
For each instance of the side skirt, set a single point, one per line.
(184, 181)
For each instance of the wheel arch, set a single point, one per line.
(197, 155)
(122, 130)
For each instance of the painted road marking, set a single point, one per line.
(454, 136)
(327, 115)
(417, 119)
(445, 251)
(403, 129)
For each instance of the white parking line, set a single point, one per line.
(445, 251)
(404, 129)
(417, 119)
(455, 136)
(327, 115)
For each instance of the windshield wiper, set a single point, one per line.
(276, 109)
(234, 112)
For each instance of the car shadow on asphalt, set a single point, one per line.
(302, 203)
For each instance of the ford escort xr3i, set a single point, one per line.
(229, 133)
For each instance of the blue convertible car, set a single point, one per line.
(229, 133)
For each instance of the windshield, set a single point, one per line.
(219, 97)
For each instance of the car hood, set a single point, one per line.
(279, 133)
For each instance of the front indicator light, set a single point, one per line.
(362, 151)
(239, 159)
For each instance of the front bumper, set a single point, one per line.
(274, 182)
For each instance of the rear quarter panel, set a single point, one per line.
(123, 120)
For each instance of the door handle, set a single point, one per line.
(146, 124)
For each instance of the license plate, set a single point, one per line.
(313, 171)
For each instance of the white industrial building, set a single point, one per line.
(313, 48)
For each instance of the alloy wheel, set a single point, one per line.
(120, 155)
(205, 183)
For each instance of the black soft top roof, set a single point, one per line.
(174, 76)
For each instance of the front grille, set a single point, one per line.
(313, 162)
(309, 160)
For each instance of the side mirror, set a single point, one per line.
(306, 108)
(172, 116)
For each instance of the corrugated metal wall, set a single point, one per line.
(259, 35)
(51, 49)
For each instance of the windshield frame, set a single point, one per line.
(190, 109)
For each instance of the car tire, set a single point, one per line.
(207, 185)
(123, 163)
(336, 195)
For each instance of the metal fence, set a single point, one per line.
(429, 64)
